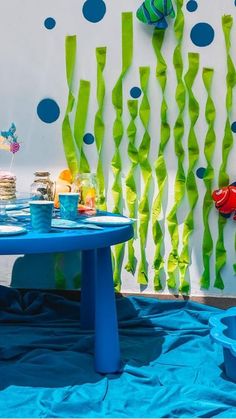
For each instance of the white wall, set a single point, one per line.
(32, 68)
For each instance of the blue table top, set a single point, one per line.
(60, 240)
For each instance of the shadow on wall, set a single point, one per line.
(39, 271)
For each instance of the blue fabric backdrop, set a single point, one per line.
(170, 366)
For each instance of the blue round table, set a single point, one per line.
(98, 307)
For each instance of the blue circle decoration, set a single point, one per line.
(48, 111)
(88, 138)
(135, 92)
(94, 10)
(233, 126)
(192, 6)
(49, 23)
(201, 172)
(202, 34)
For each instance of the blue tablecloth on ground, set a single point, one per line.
(170, 366)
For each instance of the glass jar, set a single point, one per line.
(86, 185)
(42, 187)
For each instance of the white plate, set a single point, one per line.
(61, 223)
(9, 230)
(109, 220)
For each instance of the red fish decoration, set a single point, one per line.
(225, 200)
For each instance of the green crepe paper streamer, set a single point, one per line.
(234, 265)
(191, 186)
(77, 281)
(131, 190)
(117, 100)
(60, 278)
(68, 139)
(179, 188)
(146, 170)
(99, 126)
(67, 136)
(118, 131)
(210, 141)
(160, 166)
(80, 123)
(227, 23)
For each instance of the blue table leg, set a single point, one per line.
(107, 347)
(88, 268)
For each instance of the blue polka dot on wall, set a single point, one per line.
(201, 172)
(192, 6)
(49, 23)
(48, 110)
(135, 92)
(202, 34)
(88, 138)
(233, 126)
(94, 10)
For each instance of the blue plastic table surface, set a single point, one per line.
(98, 307)
(59, 240)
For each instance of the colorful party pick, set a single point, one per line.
(9, 140)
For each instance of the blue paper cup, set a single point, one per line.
(69, 205)
(41, 215)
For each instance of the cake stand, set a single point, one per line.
(20, 202)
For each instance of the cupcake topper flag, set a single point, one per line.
(9, 141)
(154, 12)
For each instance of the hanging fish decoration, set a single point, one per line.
(154, 12)
(225, 200)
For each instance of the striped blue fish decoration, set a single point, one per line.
(154, 12)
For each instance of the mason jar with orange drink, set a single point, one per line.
(86, 185)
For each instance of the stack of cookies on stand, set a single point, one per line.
(7, 185)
